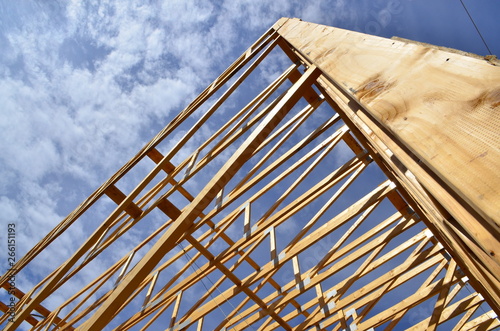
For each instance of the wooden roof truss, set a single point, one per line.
(302, 210)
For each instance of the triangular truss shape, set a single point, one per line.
(359, 189)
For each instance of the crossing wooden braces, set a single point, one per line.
(273, 220)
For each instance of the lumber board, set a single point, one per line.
(443, 106)
(421, 186)
(186, 219)
(425, 116)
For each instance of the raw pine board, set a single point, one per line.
(444, 107)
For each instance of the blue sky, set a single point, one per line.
(84, 86)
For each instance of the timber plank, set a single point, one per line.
(443, 106)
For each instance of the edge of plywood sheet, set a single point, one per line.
(443, 106)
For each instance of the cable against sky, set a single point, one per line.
(477, 29)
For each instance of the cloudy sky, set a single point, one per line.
(84, 85)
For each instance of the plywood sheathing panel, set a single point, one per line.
(444, 107)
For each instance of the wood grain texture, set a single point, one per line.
(444, 106)
(291, 226)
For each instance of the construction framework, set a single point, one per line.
(358, 190)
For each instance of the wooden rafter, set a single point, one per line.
(288, 229)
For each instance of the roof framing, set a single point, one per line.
(288, 229)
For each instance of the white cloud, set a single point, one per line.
(186, 14)
(155, 43)
(89, 79)
(9, 209)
